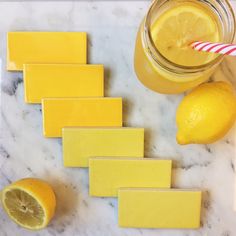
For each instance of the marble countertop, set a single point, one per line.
(24, 152)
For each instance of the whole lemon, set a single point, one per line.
(206, 114)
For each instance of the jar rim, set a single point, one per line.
(174, 67)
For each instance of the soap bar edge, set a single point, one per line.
(160, 189)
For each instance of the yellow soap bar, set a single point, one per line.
(158, 208)
(45, 47)
(62, 80)
(107, 175)
(81, 143)
(68, 112)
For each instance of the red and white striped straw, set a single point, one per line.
(220, 48)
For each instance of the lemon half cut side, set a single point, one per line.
(29, 202)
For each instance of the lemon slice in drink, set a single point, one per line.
(29, 202)
(176, 29)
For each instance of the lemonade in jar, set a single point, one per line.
(164, 60)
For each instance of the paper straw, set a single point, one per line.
(220, 48)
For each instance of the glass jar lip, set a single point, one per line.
(153, 50)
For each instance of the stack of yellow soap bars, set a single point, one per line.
(73, 106)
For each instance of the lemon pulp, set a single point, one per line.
(29, 202)
(24, 208)
(177, 28)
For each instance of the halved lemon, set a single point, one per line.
(177, 28)
(29, 202)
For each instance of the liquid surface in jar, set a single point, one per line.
(175, 29)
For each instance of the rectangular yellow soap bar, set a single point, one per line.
(45, 47)
(158, 208)
(107, 175)
(68, 112)
(62, 80)
(81, 143)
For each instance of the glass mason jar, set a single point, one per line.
(161, 75)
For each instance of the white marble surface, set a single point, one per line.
(24, 152)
